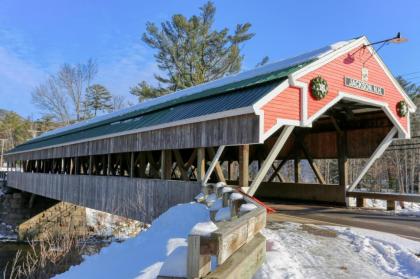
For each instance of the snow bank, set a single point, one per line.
(410, 208)
(393, 254)
(104, 224)
(162, 248)
(293, 251)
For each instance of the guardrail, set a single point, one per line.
(237, 243)
(390, 198)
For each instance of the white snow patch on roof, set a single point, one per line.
(269, 68)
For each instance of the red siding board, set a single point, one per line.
(286, 105)
(335, 71)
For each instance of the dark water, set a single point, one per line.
(8, 250)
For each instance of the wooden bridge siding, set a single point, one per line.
(136, 198)
(242, 129)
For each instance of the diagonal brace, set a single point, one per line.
(378, 153)
(213, 164)
(274, 152)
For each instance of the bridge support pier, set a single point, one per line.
(390, 205)
(360, 202)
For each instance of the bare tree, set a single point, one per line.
(49, 97)
(62, 95)
(118, 102)
(74, 80)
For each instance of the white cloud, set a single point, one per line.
(18, 75)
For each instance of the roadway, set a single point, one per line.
(379, 220)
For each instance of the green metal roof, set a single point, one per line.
(230, 96)
(239, 98)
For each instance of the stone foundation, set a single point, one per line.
(62, 218)
(16, 207)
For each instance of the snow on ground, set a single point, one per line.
(293, 251)
(112, 226)
(410, 208)
(162, 248)
(301, 251)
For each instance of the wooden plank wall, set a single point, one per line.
(225, 131)
(326, 193)
(135, 198)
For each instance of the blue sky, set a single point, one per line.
(38, 36)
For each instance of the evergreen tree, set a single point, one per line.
(14, 129)
(190, 52)
(412, 89)
(98, 99)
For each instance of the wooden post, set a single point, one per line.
(360, 202)
(76, 165)
(108, 168)
(180, 164)
(62, 165)
(343, 165)
(131, 164)
(197, 265)
(143, 164)
(244, 165)
(90, 165)
(166, 164)
(297, 170)
(201, 163)
(229, 171)
(390, 205)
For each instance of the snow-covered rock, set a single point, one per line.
(246, 207)
(227, 189)
(204, 229)
(236, 196)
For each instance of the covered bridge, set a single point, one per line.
(338, 102)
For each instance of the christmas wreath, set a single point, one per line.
(402, 108)
(319, 88)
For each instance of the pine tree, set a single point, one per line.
(190, 52)
(412, 89)
(98, 99)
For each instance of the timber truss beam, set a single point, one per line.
(274, 152)
(376, 154)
